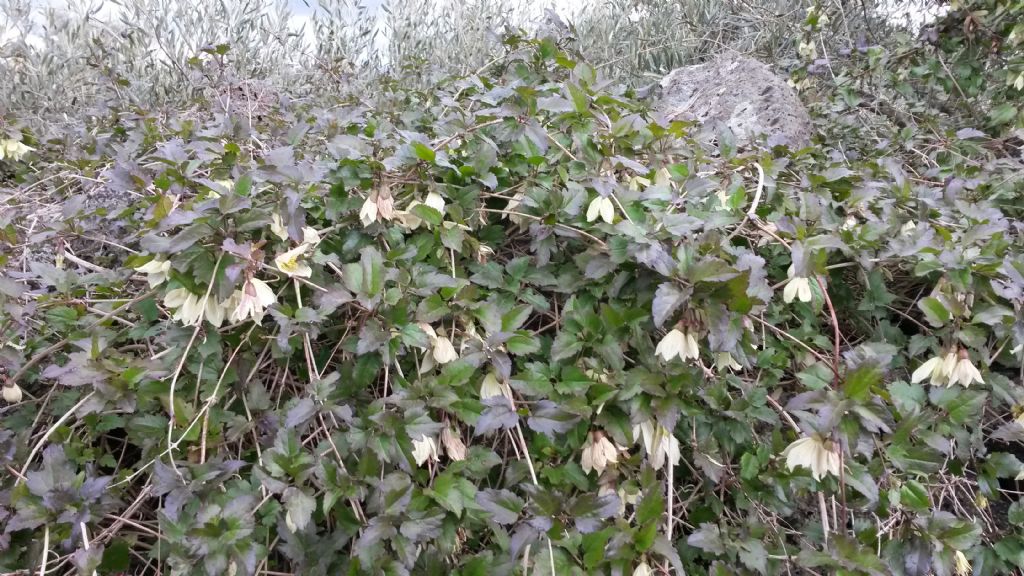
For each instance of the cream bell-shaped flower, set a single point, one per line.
(368, 213)
(931, 368)
(671, 345)
(435, 201)
(444, 352)
(186, 305)
(598, 453)
(277, 227)
(815, 454)
(12, 393)
(961, 565)
(965, 373)
(491, 387)
(690, 347)
(424, 449)
(798, 288)
(252, 301)
(310, 236)
(13, 149)
(724, 361)
(156, 271)
(659, 444)
(214, 310)
(642, 569)
(602, 207)
(289, 263)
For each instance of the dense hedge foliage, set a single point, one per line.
(518, 324)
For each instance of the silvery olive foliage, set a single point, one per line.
(515, 323)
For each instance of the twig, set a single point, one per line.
(539, 219)
(60, 344)
(181, 365)
(39, 444)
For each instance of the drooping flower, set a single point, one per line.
(188, 311)
(603, 207)
(252, 301)
(444, 352)
(491, 387)
(435, 201)
(368, 213)
(12, 392)
(820, 456)
(965, 373)
(798, 287)
(13, 149)
(598, 453)
(961, 565)
(678, 343)
(424, 449)
(214, 310)
(454, 447)
(277, 227)
(385, 204)
(931, 368)
(310, 236)
(725, 361)
(642, 569)
(155, 271)
(659, 444)
(671, 345)
(289, 262)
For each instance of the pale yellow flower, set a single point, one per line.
(933, 369)
(156, 271)
(435, 201)
(961, 565)
(444, 352)
(811, 452)
(290, 264)
(277, 227)
(807, 50)
(671, 345)
(678, 343)
(12, 393)
(799, 288)
(310, 236)
(188, 312)
(642, 569)
(491, 387)
(13, 149)
(598, 453)
(659, 444)
(252, 301)
(424, 449)
(603, 207)
(214, 310)
(965, 372)
(368, 213)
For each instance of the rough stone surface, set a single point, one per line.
(741, 93)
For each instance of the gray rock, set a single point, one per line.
(741, 93)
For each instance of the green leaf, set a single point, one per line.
(935, 311)
(428, 214)
(423, 152)
(859, 382)
(915, 496)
